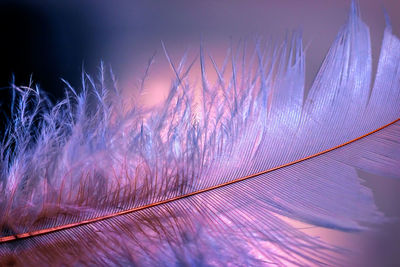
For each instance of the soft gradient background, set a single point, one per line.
(54, 39)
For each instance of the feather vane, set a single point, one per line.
(93, 180)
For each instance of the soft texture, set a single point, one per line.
(95, 154)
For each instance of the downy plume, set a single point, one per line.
(98, 180)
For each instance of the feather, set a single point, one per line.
(98, 180)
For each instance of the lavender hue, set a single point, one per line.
(95, 153)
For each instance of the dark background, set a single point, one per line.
(44, 42)
(55, 39)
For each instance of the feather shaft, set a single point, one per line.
(63, 227)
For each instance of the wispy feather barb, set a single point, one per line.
(98, 180)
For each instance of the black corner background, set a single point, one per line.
(45, 43)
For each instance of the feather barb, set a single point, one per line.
(101, 218)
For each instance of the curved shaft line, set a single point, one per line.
(113, 215)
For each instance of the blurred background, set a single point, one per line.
(49, 40)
